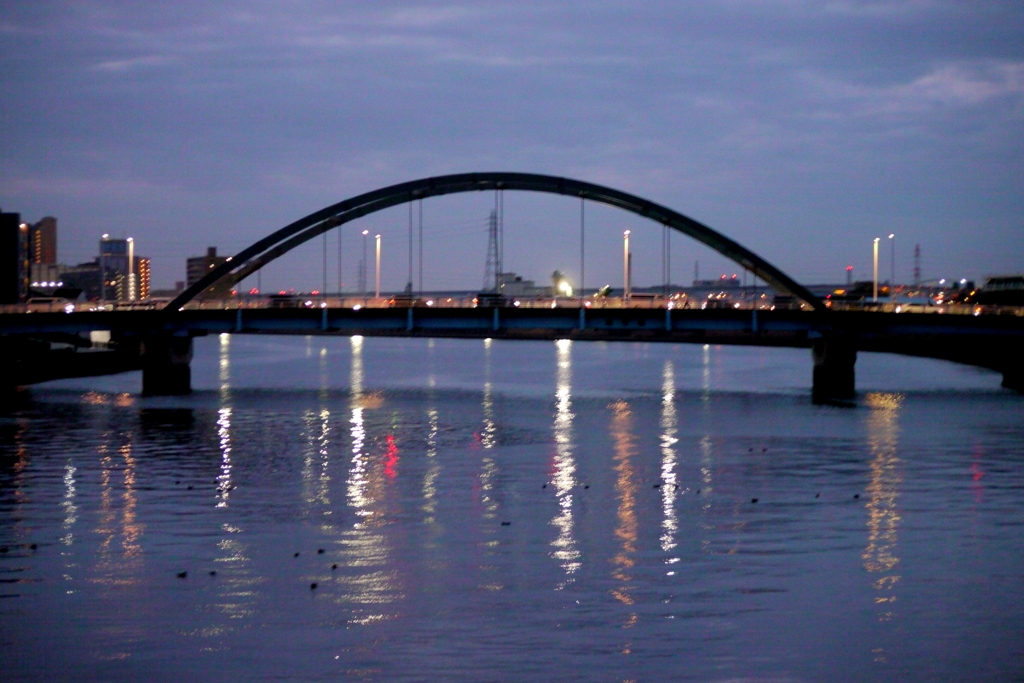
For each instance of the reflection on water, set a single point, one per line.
(880, 556)
(488, 440)
(349, 529)
(120, 552)
(224, 485)
(369, 580)
(669, 483)
(625, 493)
(563, 478)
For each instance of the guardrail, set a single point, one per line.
(469, 301)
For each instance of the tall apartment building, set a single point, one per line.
(43, 241)
(142, 265)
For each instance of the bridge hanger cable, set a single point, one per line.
(410, 249)
(582, 252)
(421, 246)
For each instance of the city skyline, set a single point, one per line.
(802, 132)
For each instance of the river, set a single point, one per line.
(367, 509)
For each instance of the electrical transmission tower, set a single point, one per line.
(917, 265)
(492, 271)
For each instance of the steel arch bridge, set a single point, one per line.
(262, 252)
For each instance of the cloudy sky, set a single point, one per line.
(802, 129)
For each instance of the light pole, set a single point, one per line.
(103, 268)
(625, 267)
(131, 269)
(892, 265)
(875, 270)
(377, 278)
(362, 268)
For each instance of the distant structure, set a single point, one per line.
(14, 261)
(917, 265)
(513, 285)
(43, 242)
(723, 282)
(493, 268)
(124, 276)
(198, 266)
(84, 277)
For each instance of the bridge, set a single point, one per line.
(159, 342)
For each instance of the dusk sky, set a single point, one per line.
(800, 129)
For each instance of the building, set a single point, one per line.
(513, 285)
(14, 262)
(142, 265)
(43, 241)
(199, 266)
(85, 277)
(123, 271)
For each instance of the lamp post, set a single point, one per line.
(362, 268)
(875, 270)
(892, 265)
(625, 267)
(377, 278)
(131, 269)
(103, 268)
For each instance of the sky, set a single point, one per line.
(801, 129)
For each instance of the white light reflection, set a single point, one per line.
(433, 469)
(707, 481)
(316, 461)
(224, 477)
(488, 439)
(368, 580)
(68, 504)
(669, 488)
(236, 594)
(883, 490)
(563, 478)
(70, 517)
(237, 586)
(224, 422)
(357, 471)
(705, 395)
(224, 366)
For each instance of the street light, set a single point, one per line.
(362, 268)
(892, 265)
(377, 279)
(103, 268)
(131, 269)
(625, 267)
(875, 270)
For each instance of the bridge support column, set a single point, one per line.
(834, 358)
(165, 365)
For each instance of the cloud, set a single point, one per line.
(957, 85)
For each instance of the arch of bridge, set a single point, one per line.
(287, 238)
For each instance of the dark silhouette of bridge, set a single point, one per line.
(160, 342)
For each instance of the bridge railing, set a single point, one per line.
(470, 301)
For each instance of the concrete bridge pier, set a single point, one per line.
(165, 365)
(834, 358)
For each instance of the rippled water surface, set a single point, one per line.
(377, 509)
